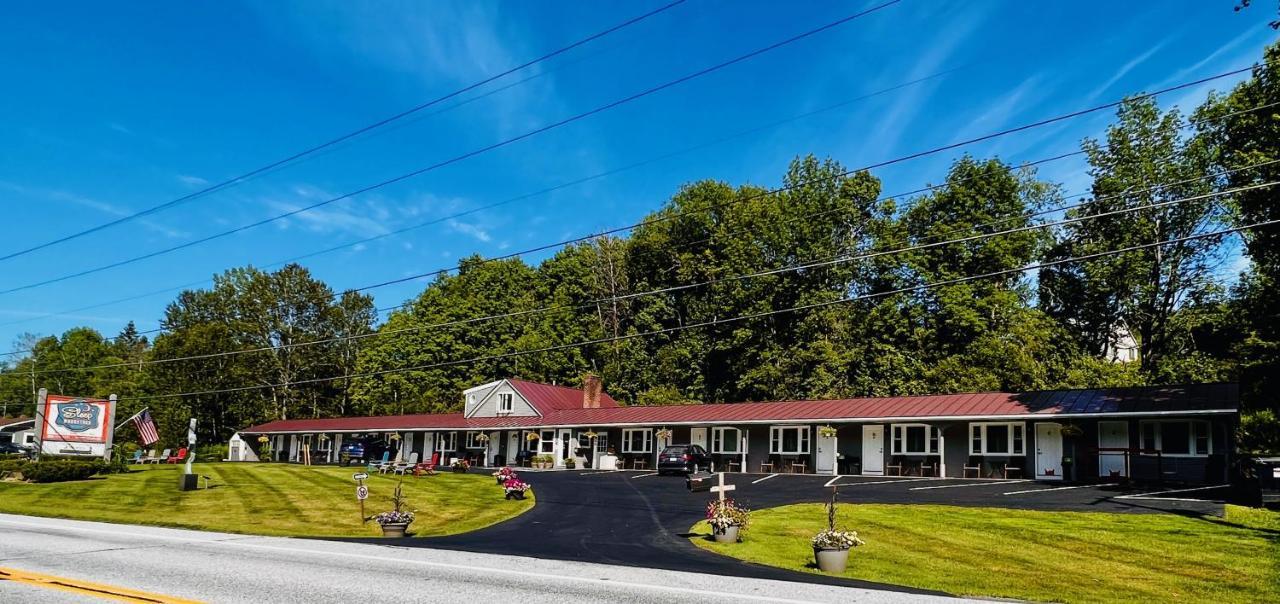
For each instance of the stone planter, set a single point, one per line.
(394, 529)
(515, 494)
(728, 535)
(831, 560)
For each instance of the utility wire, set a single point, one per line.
(715, 322)
(840, 259)
(458, 158)
(345, 137)
(1190, 123)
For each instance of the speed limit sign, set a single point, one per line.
(362, 492)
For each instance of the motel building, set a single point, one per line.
(1165, 433)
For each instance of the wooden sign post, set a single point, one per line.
(722, 488)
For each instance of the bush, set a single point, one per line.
(1260, 432)
(63, 470)
(12, 465)
(211, 453)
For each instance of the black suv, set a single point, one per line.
(683, 459)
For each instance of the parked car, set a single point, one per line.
(683, 459)
(13, 449)
(361, 450)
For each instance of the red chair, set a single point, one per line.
(435, 459)
(177, 457)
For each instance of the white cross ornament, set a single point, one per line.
(722, 488)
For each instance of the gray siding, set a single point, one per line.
(488, 405)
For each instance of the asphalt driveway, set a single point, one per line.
(636, 518)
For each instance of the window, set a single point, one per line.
(1182, 438)
(997, 438)
(547, 441)
(726, 440)
(789, 440)
(915, 439)
(602, 443)
(637, 440)
(447, 441)
(504, 403)
(474, 441)
(584, 441)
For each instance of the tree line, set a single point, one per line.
(670, 318)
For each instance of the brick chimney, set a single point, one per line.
(591, 389)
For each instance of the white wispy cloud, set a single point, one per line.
(110, 209)
(1124, 70)
(470, 230)
(193, 181)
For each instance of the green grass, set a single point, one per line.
(268, 499)
(1030, 555)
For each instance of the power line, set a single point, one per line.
(524, 196)
(715, 322)
(1190, 123)
(345, 137)
(841, 259)
(464, 156)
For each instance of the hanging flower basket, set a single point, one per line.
(827, 431)
(663, 433)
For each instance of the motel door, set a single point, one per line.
(698, 436)
(1048, 451)
(1112, 435)
(873, 450)
(564, 446)
(825, 462)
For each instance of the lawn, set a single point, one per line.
(267, 499)
(1031, 555)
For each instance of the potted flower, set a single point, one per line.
(504, 474)
(571, 463)
(264, 443)
(515, 488)
(827, 431)
(728, 520)
(460, 467)
(831, 545)
(395, 522)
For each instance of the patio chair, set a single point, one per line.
(895, 464)
(376, 466)
(734, 465)
(148, 458)
(640, 463)
(1008, 468)
(137, 457)
(402, 467)
(800, 464)
(767, 466)
(177, 457)
(973, 465)
(929, 466)
(161, 457)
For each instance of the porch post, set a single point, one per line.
(942, 453)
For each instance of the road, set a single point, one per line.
(159, 564)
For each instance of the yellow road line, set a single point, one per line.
(86, 588)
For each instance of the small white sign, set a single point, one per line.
(359, 476)
(362, 493)
(1275, 472)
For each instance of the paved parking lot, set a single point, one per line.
(638, 518)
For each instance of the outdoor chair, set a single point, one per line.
(768, 465)
(799, 465)
(402, 467)
(161, 457)
(137, 457)
(150, 457)
(376, 466)
(734, 465)
(973, 465)
(894, 464)
(929, 466)
(640, 463)
(177, 457)
(1008, 468)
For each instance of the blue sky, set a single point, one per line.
(115, 108)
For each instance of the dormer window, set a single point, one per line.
(505, 404)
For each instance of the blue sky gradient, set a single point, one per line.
(110, 109)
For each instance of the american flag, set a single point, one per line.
(146, 428)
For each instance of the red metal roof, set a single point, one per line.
(6, 422)
(548, 399)
(1143, 400)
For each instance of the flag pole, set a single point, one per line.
(135, 416)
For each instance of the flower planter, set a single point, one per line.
(501, 480)
(728, 535)
(394, 529)
(515, 494)
(831, 560)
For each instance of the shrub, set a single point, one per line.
(62, 470)
(12, 465)
(210, 453)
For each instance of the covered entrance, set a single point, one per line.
(1113, 446)
(873, 450)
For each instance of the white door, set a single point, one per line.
(698, 436)
(513, 447)
(564, 448)
(873, 450)
(293, 447)
(825, 454)
(1048, 451)
(428, 446)
(1112, 435)
(494, 445)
